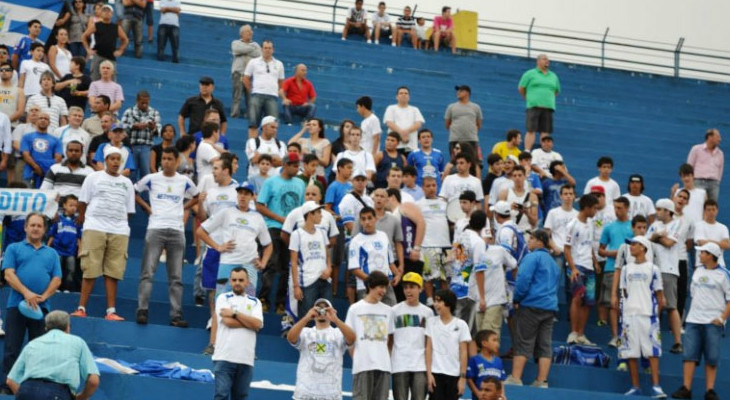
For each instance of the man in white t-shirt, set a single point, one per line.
(697, 195)
(105, 202)
(267, 143)
(73, 131)
(409, 341)
(454, 185)
(639, 203)
(373, 324)
(556, 223)
(581, 259)
(206, 152)
(165, 232)
(523, 202)
(610, 186)
(710, 231)
(370, 125)
(239, 319)
(321, 348)
(263, 78)
(543, 156)
(405, 120)
(382, 26)
(706, 320)
(437, 240)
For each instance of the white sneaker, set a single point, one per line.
(163, 257)
(582, 339)
(614, 342)
(207, 326)
(538, 384)
(343, 38)
(2, 332)
(377, 41)
(392, 43)
(511, 380)
(572, 338)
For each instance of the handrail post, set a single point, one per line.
(334, 12)
(255, 6)
(677, 52)
(603, 49)
(529, 37)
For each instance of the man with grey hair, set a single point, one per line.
(53, 365)
(539, 86)
(243, 50)
(73, 131)
(298, 95)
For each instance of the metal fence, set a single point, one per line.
(588, 48)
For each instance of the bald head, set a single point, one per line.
(300, 71)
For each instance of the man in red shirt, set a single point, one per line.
(443, 30)
(298, 95)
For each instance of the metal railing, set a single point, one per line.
(588, 48)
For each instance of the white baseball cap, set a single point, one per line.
(641, 240)
(310, 206)
(501, 207)
(267, 120)
(665, 204)
(359, 173)
(711, 248)
(109, 150)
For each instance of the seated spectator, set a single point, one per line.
(105, 34)
(406, 25)
(263, 78)
(381, 24)
(243, 50)
(298, 96)
(32, 70)
(133, 16)
(66, 177)
(59, 56)
(116, 137)
(168, 135)
(40, 150)
(99, 105)
(316, 144)
(74, 86)
(167, 29)
(73, 131)
(443, 30)
(356, 22)
(106, 86)
(423, 41)
(76, 26)
(23, 50)
(510, 146)
(64, 236)
(49, 103)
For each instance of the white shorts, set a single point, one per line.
(640, 337)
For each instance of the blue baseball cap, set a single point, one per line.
(246, 186)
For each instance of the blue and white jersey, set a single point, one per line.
(370, 252)
(432, 163)
(639, 284)
(470, 256)
(311, 251)
(167, 196)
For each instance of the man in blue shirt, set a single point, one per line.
(278, 197)
(426, 159)
(55, 364)
(21, 52)
(40, 151)
(551, 186)
(536, 301)
(33, 271)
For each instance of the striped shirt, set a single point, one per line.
(54, 105)
(56, 356)
(406, 24)
(133, 116)
(65, 180)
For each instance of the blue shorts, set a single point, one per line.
(585, 286)
(210, 269)
(702, 341)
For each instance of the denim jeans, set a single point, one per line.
(165, 32)
(70, 271)
(702, 341)
(711, 186)
(260, 106)
(141, 157)
(136, 25)
(77, 49)
(238, 91)
(305, 111)
(16, 325)
(173, 241)
(320, 289)
(34, 389)
(232, 379)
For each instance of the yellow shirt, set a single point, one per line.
(504, 151)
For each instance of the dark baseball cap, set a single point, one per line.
(463, 87)
(541, 235)
(636, 178)
(206, 80)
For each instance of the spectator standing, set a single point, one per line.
(311, 265)
(542, 157)
(239, 317)
(316, 143)
(106, 200)
(640, 204)
(373, 323)
(133, 16)
(6, 145)
(362, 159)
(697, 195)
(456, 184)
(486, 363)
(68, 176)
(708, 162)
(437, 241)
(463, 119)
(266, 143)
(105, 35)
(539, 87)
(13, 97)
(381, 24)
(709, 230)
(31, 118)
(370, 125)
(40, 150)
(356, 22)
(165, 233)
(76, 26)
(24, 48)
(406, 25)
(556, 224)
(33, 271)
(404, 119)
(74, 86)
(194, 108)
(168, 136)
(116, 139)
(427, 160)
(99, 106)
(409, 341)
(443, 30)
(243, 50)
(167, 29)
(5, 58)
(29, 76)
(105, 85)
(263, 78)
(510, 146)
(536, 302)
(59, 56)
(143, 124)
(610, 187)
(298, 96)
(64, 236)
(319, 374)
(55, 364)
(49, 103)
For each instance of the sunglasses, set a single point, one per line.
(267, 69)
(6, 69)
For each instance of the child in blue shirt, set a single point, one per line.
(65, 237)
(485, 363)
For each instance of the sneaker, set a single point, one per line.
(142, 317)
(658, 393)
(677, 348)
(634, 391)
(572, 338)
(80, 313)
(614, 342)
(393, 43)
(683, 393)
(113, 317)
(582, 339)
(2, 332)
(178, 322)
(207, 325)
(541, 385)
(199, 301)
(280, 309)
(163, 257)
(622, 366)
(209, 349)
(376, 41)
(343, 38)
(511, 380)
(601, 323)
(711, 395)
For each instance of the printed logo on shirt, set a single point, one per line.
(242, 221)
(40, 145)
(313, 245)
(377, 246)
(375, 327)
(410, 321)
(222, 197)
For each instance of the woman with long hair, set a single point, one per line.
(316, 143)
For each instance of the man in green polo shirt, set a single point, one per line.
(539, 86)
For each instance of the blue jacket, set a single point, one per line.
(537, 281)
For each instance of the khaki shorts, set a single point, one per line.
(103, 254)
(491, 319)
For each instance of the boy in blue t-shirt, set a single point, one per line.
(65, 237)
(485, 363)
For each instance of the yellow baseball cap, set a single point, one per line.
(413, 277)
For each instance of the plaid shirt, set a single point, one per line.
(136, 116)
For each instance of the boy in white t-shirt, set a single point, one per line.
(455, 185)
(370, 125)
(697, 195)
(639, 203)
(310, 261)
(206, 152)
(641, 289)
(556, 223)
(31, 71)
(610, 186)
(409, 341)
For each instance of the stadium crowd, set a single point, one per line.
(480, 243)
